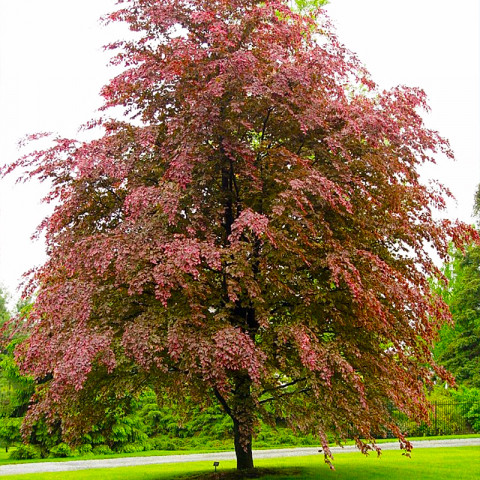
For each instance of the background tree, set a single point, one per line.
(308, 6)
(4, 313)
(459, 346)
(476, 203)
(15, 389)
(4, 316)
(252, 233)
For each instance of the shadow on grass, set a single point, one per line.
(239, 475)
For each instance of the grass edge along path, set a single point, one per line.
(452, 463)
(99, 462)
(4, 460)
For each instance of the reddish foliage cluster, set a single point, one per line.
(256, 232)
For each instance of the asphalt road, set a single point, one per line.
(138, 461)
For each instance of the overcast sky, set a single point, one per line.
(52, 67)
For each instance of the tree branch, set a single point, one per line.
(284, 385)
(234, 181)
(222, 402)
(269, 111)
(300, 147)
(287, 394)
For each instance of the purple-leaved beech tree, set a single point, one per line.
(252, 233)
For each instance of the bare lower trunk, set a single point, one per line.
(243, 421)
(243, 450)
(241, 411)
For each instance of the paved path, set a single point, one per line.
(138, 461)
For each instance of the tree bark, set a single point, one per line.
(242, 417)
(243, 421)
(243, 450)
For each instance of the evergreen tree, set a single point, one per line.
(459, 346)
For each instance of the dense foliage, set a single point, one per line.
(4, 313)
(15, 389)
(147, 424)
(459, 346)
(252, 233)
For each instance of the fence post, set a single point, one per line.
(435, 416)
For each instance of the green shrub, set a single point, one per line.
(62, 450)
(131, 448)
(470, 398)
(45, 436)
(308, 440)
(25, 452)
(10, 431)
(286, 438)
(147, 446)
(101, 450)
(164, 443)
(85, 449)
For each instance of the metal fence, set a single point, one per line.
(446, 418)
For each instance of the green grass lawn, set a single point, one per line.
(461, 463)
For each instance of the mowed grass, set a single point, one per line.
(456, 463)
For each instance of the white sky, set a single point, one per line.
(52, 67)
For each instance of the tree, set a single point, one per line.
(459, 346)
(304, 6)
(476, 203)
(15, 390)
(4, 313)
(4, 316)
(253, 232)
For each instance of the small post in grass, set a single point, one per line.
(216, 464)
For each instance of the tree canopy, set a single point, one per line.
(4, 313)
(253, 232)
(459, 346)
(15, 389)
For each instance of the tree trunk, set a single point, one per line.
(242, 433)
(243, 451)
(243, 421)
